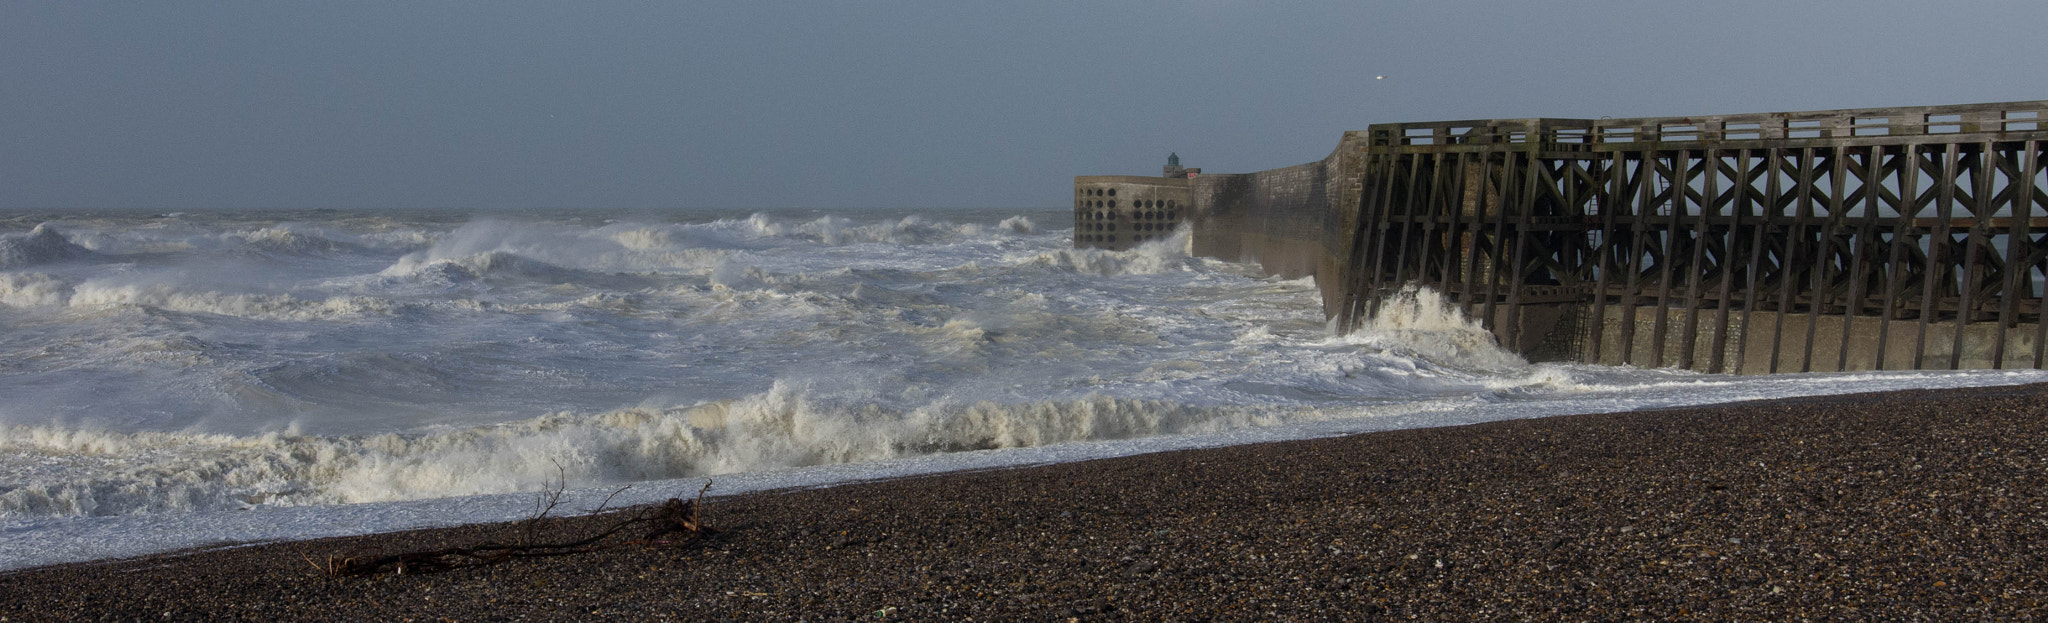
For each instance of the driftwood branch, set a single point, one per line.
(674, 522)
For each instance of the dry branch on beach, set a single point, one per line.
(674, 522)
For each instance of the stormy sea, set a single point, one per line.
(195, 379)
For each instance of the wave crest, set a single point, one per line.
(1168, 254)
(783, 427)
(42, 245)
(284, 240)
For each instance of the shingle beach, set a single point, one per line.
(1918, 505)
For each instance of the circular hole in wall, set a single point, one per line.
(1112, 202)
(1112, 192)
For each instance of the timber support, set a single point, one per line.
(1897, 238)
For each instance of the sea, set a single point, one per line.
(181, 380)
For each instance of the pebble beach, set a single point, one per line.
(1915, 505)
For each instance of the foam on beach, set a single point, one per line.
(177, 380)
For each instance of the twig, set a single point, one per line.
(608, 499)
(546, 501)
(671, 517)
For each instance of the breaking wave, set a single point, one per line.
(1167, 254)
(910, 230)
(111, 473)
(41, 290)
(284, 240)
(1417, 322)
(42, 245)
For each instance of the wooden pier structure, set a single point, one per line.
(1871, 239)
(1866, 239)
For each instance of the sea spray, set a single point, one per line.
(155, 472)
(1417, 321)
(162, 372)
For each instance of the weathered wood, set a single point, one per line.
(1383, 208)
(1669, 232)
(1823, 252)
(1609, 207)
(2024, 210)
(1980, 206)
(1855, 216)
(1787, 252)
(1637, 227)
(1755, 266)
(1525, 202)
(2008, 308)
(1859, 248)
(1410, 207)
(1907, 207)
(1730, 247)
(1694, 270)
(1503, 209)
(1933, 281)
(1476, 184)
(1455, 235)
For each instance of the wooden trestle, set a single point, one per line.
(1808, 234)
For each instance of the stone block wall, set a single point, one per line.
(1118, 212)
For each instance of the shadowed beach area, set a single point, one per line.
(1904, 505)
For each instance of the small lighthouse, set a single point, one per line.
(1173, 168)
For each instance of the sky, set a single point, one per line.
(762, 104)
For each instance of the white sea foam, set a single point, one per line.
(1168, 254)
(287, 240)
(163, 371)
(114, 473)
(1417, 322)
(33, 290)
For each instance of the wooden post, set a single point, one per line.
(1673, 178)
(2011, 290)
(2024, 210)
(1709, 168)
(1824, 252)
(1380, 229)
(1755, 267)
(1638, 221)
(1505, 206)
(1479, 214)
(1787, 251)
(1609, 204)
(1872, 175)
(1410, 204)
(1731, 246)
(1525, 207)
(1979, 205)
(1454, 234)
(1907, 208)
(1934, 282)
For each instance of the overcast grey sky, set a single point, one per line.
(763, 104)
